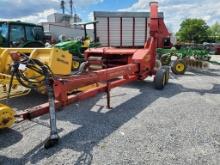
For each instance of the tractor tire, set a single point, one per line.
(160, 79)
(75, 65)
(32, 44)
(77, 61)
(165, 59)
(178, 67)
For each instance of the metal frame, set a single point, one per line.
(119, 66)
(140, 64)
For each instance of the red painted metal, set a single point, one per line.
(109, 51)
(146, 27)
(134, 64)
(217, 49)
(154, 9)
(63, 86)
(44, 108)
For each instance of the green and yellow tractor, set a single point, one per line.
(21, 34)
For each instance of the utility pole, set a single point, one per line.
(71, 7)
(62, 6)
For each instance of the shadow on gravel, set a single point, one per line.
(10, 137)
(27, 101)
(96, 126)
(215, 73)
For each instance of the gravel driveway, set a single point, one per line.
(179, 125)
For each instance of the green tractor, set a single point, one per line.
(76, 47)
(185, 57)
(21, 34)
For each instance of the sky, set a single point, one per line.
(175, 11)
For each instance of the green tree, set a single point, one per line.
(193, 30)
(214, 32)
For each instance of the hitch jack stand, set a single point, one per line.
(108, 96)
(54, 138)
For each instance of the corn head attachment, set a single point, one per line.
(16, 88)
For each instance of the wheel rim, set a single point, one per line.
(75, 64)
(180, 67)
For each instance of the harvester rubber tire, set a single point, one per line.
(167, 69)
(178, 67)
(160, 79)
(158, 65)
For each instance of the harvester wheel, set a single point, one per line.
(167, 69)
(178, 67)
(7, 118)
(160, 79)
(157, 65)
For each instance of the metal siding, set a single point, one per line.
(140, 29)
(46, 27)
(102, 30)
(127, 31)
(114, 28)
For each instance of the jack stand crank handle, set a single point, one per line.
(54, 138)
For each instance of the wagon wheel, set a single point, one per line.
(160, 79)
(178, 67)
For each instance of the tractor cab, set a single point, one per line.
(167, 43)
(20, 34)
(86, 40)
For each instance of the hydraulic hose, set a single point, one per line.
(34, 65)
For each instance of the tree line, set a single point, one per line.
(195, 30)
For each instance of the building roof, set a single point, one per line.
(19, 22)
(124, 14)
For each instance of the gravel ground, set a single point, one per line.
(179, 125)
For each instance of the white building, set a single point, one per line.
(62, 24)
